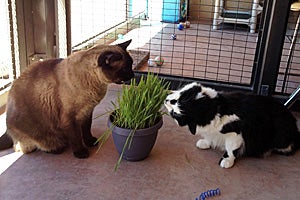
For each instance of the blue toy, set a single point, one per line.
(173, 36)
(151, 63)
(180, 26)
(209, 193)
(120, 36)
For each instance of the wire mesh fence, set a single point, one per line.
(289, 71)
(6, 66)
(200, 39)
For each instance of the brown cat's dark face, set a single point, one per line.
(116, 63)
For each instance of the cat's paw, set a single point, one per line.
(203, 144)
(83, 153)
(226, 162)
(57, 151)
(91, 142)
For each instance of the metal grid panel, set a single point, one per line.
(6, 61)
(61, 29)
(219, 45)
(219, 52)
(289, 72)
(199, 52)
(206, 50)
(91, 18)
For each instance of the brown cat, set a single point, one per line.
(50, 105)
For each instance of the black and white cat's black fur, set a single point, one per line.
(239, 124)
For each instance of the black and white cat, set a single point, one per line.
(239, 124)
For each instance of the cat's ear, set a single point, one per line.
(192, 127)
(124, 45)
(190, 95)
(107, 57)
(209, 92)
(181, 120)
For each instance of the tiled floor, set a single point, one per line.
(225, 55)
(175, 169)
(198, 51)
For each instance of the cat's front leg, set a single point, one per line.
(79, 151)
(74, 134)
(233, 144)
(227, 161)
(203, 144)
(87, 137)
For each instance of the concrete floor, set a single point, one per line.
(175, 169)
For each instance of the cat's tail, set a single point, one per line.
(5, 141)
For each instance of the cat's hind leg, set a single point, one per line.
(24, 146)
(289, 150)
(233, 144)
(203, 144)
(54, 145)
(49, 143)
(21, 142)
(286, 143)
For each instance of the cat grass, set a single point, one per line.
(138, 106)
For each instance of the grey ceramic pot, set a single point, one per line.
(142, 143)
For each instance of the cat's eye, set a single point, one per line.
(173, 101)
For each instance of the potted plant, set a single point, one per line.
(136, 117)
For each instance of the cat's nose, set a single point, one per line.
(173, 101)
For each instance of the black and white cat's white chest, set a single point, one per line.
(218, 130)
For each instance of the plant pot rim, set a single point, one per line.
(138, 132)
